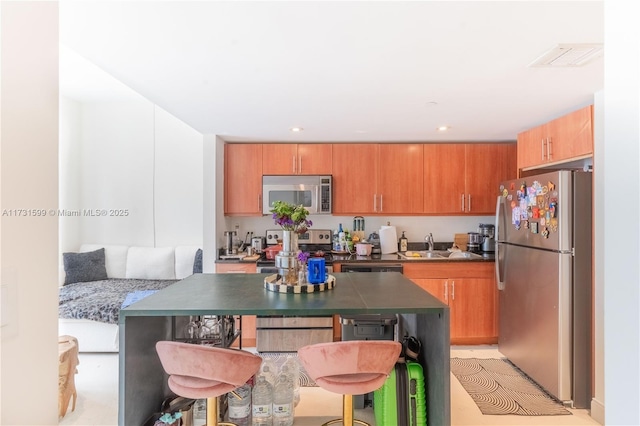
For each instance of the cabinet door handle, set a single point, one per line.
(259, 203)
(469, 204)
(542, 149)
(299, 164)
(293, 164)
(462, 203)
(381, 203)
(453, 290)
(374, 203)
(549, 151)
(446, 293)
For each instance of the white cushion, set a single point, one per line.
(151, 263)
(115, 258)
(185, 255)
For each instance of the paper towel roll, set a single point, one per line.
(388, 239)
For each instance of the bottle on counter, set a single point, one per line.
(404, 242)
(262, 397)
(283, 401)
(341, 238)
(239, 402)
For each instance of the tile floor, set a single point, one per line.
(97, 404)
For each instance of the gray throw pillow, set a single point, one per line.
(83, 267)
(197, 262)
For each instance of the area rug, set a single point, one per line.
(280, 357)
(498, 387)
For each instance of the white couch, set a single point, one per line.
(124, 262)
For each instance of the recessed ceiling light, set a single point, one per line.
(296, 129)
(442, 128)
(569, 55)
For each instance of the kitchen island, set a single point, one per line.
(143, 383)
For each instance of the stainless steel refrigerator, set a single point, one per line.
(544, 275)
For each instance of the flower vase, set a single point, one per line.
(302, 275)
(286, 259)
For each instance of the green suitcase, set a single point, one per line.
(401, 400)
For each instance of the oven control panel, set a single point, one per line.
(312, 236)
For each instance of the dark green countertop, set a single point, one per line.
(244, 294)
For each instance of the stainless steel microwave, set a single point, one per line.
(313, 192)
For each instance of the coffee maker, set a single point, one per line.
(487, 233)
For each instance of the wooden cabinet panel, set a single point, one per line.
(444, 178)
(279, 158)
(355, 168)
(464, 178)
(471, 293)
(566, 138)
(400, 182)
(315, 159)
(296, 159)
(436, 286)
(486, 166)
(473, 310)
(236, 268)
(531, 146)
(572, 135)
(243, 179)
(377, 179)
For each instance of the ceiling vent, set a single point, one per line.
(569, 55)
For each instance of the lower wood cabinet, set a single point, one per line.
(470, 291)
(248, 332)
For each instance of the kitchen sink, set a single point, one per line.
(438, 254)
(425, 254)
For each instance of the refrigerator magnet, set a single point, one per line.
(534, 227)
(545, 232)
(525, 223)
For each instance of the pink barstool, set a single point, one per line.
(350, 368)
(197, 371)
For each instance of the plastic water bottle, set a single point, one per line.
(268, 370)
(283, 402)
(293, 369)
(262, 397)
(240, 408)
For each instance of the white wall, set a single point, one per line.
(621, 214)
(140, 165)
(178, 185)
(117, 172)
(29, 244)
(69, 172)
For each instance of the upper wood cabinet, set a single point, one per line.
(567, 138)
(377, 179)
(296, 159)
(464, 178)
(243, 179)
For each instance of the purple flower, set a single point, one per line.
(303, 257)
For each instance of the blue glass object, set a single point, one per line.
(316, 271)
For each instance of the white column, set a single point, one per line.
(621, 201)
(28, 231)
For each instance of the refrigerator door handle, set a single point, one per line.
(499, 262)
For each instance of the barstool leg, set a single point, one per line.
(212, 414)
(347, 414)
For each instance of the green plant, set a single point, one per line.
(291, 217)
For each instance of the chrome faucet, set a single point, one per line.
(429, 239)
